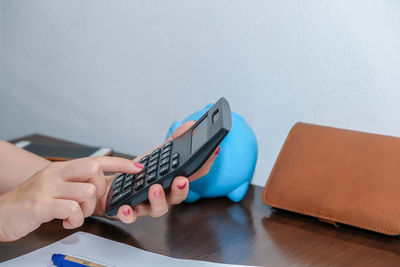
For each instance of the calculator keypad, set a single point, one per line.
(116, 185)
(152, 168)
(117, 197)
(175, 163)
(139, 184)
(175, 160)
(151, 177)
(164, 161)
(165, 154)
(163, 169)
(153, 162)
(157, 164)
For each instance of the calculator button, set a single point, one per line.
(167, 148)
(164, 161)
(163, 169)
(138, 184)
(169, 143)
(175, 155)
(156, 152)
(140, 175)
(120, 196)
(153, 157)
(129, 177)
(116, 191)
(152, 168)
(151, 176)
(175, 163)
(128, 183)
(117, 184)
(153, 162)
(145, 158)
(119, 178)
(165, 154)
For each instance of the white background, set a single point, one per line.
(118, 73)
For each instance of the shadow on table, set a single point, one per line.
(211, 229)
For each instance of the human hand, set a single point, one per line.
(158, 201)
(62, 190)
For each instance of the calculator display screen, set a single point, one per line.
(199, 135)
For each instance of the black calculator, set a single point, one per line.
(180, 157)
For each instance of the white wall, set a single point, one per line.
(119, 72)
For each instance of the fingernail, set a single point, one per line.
(157, 193)
(126, 212)
(217, 151)
(139, 165)
(181, 186)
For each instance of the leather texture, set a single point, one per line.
(338, 175)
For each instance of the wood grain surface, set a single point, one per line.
(219, 230)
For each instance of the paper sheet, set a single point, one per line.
(103, 251)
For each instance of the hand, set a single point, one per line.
(62, 190)
(158, 200)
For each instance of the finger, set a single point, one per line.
(109, 178)
(88, 206)
(101, 202)
(83, 193)
(138, 158)
(181, 129)
(75, 218)
(152, 207)
(142, 209)
(77, 191)
(179, 190)
(116, 164)
(67, 210)
(126, 214)
(158, 202)
(98, 180)
(85, 168)
(100, 183)
(174, 197)
(92, 170)
(206, 166)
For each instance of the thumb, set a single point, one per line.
(181, 129)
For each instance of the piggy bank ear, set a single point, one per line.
(173, 127)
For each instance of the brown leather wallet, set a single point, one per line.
(338, 176)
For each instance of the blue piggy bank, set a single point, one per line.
(233, 169)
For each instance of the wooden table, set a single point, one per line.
(221, 231)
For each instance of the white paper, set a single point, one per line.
(102, 251)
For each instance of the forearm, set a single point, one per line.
(17, 165)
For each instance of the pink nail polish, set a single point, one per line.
(157, 194)
(181, 186)
(139, 165)
(217, 151)
(126, 212)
